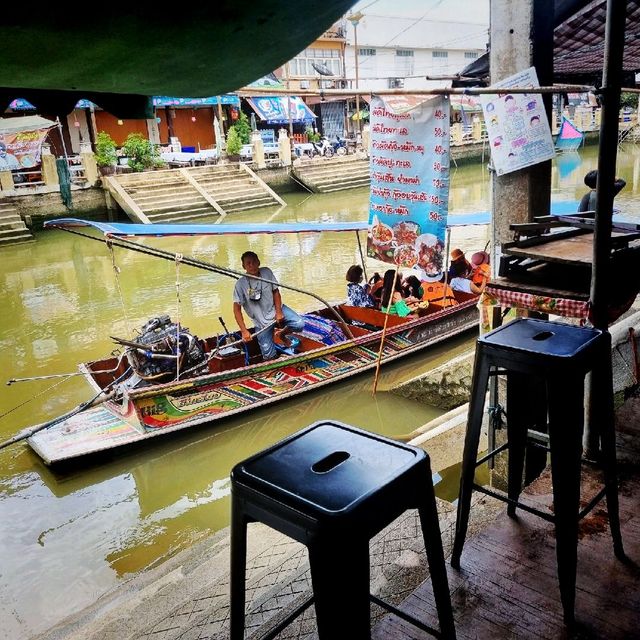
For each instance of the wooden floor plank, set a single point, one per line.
(507, 585)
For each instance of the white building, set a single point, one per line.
(399, 52)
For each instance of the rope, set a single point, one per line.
(53, 386)
(64, 376)
(200, 264)
(116, 270)
(178, 261)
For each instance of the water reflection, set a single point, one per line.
(67, 538)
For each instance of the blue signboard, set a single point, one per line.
(165, 101)
(275, 110)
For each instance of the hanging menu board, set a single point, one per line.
(409, 182)
(517, 124)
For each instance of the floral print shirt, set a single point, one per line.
(357, 296)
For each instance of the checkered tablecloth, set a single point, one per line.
(494, 296)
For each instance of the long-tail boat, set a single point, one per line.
(148, 391)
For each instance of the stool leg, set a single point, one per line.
(518, 418)
(566, 422)
(605, 420)
(340, 576)
(435, 557)
(470, 454)
(238, 568)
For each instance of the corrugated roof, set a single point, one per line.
(579, 41)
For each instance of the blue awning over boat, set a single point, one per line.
(158, 230)
(113, 229)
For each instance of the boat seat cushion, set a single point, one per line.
(322, 329)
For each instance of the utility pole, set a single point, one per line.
(354, 19)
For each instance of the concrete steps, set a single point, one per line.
(12, 228)
(190, 193)
(325, 176)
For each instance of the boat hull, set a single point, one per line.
(162, 409)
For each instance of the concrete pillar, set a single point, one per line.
(520, 195)
(6, 181)
(258, 150)
(49, 171)
(366, 139)
(284, 148)
(598, 118)
(152, 131)
(457, 132)
(89, 163)
(476, 128)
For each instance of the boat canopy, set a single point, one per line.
(113, 230)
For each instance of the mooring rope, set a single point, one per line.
(116, 270)
(53, 386)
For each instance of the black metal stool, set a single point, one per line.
(332, 487)
(560, 355)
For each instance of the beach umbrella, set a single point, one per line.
(360, 115)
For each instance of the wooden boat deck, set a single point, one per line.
(507, 586)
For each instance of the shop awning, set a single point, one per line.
(165, 101)
(274, 109)
(24, 123)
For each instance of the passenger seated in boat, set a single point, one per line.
(262, 302)
(392, 301)
(459, 281)
(481, 270)
(412, 287)
(459, 260)
(358, 295)
(375, 288)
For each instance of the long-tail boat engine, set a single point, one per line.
(163, 349)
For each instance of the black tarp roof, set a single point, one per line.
(125, 53)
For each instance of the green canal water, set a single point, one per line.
(67, 538)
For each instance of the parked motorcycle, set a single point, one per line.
(323, 147)
(339, 146)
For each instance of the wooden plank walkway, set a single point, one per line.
(507, 586)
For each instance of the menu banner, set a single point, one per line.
(21, 150)
(409, 182)
(517, 124)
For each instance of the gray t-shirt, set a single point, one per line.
(256, 297)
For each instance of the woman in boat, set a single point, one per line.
(412, 287)
(375, 288)
(481, 269)
(357, 294)
(393, 301)
(460, 282)
(459, 264)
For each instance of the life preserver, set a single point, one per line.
(434, 291)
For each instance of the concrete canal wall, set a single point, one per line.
(450, 384)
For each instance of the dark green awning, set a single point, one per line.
(125, 54)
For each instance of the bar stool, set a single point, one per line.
(332, 487)
(560, 355)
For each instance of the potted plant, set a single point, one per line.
(105, 153)
(140, 153)
(243, 128)
(234, 144)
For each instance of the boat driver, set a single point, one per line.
(262, 302)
